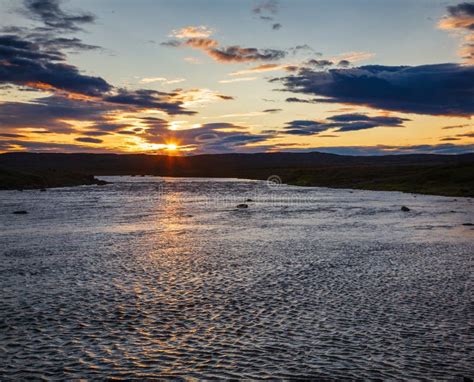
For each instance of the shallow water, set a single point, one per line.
(160, 277)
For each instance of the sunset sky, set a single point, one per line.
(216, 76)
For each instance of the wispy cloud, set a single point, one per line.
(148, 80)
(198, 97)
(352, 57)
(241, 79)
(455, 126)
(50, 13)
(266, 10)
(342, 123)
(264, 68)
(266, 7)
(192, 60)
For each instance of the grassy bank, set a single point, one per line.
(18, 180)
(451, 180)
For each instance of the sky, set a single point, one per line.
(184, 77)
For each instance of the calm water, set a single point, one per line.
(151, 277)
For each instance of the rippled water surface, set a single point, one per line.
(159, 277)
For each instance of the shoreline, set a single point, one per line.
(43, 182)
(19, 180)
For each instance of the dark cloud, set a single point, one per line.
(454, 127)
(26, 63)
(443, 148)
(305, 127)
(276, 26)
(145, 98)
(7, 135)
(303, 48)
(50, 36)
(272, 110)
(342, 123)
(171, 43)
(109, 127)
(462, 10)
(93, 133)
(461, 19)
(88, 140)
(238, 54)
(35, 146)
(447, 139)
(57, 43)
(319, 63)
(324, 64)
(50, 113)
(468, 135)
(442, 89)
(52, 16)
(353, 122)
(300, 100)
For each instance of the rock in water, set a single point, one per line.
(22, 212)
(405, 209)
(249, 200)
(243, 205)
(468, 224)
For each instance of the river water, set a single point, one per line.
(151, 278)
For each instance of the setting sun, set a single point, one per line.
(171, 146)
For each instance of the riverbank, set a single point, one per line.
(18, 180)
(444, 175)
(453, 180)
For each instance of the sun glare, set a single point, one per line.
(171, 146)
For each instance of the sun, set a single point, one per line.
(171, 146)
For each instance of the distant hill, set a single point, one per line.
(424, 173)
(211, 164)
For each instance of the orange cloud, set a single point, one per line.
(461, 19)
(201, 43)
(264, 68)
(229, 54)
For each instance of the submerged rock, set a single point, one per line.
(21, 212)
(249, 200)
(405, 209)
(242, 205)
